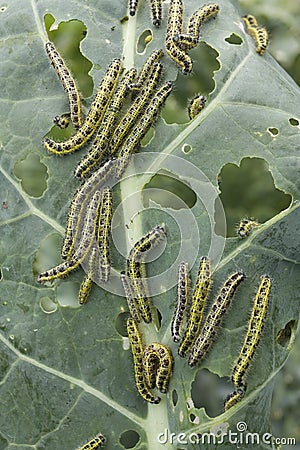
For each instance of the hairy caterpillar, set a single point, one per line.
(132, 7)
(94, 116)
(158, 365)
(213, 319)
(135, 110)
(174, 28)
(253, 334)
(87, 236)
(133, 271)
(250, 21)
(183, 287)
(98, 180)
(200, 16)
(68, 83)
(140, 129)
(99, 150)
(259, 34)
(87, 282)
(135, 340)
(196, 105)
(156, 8)
(245, 227)
(94, 443)
(182, 59)
(175, 19)
(62, 121)
(130, 297)
(147, 68)
(200, 294)
(103, 232)
(233, 398)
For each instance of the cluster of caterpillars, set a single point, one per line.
(200, 332)
(116, 132)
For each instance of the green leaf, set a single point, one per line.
(66, 371)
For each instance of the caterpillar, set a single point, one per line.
(175, 19)
(135, 340)
(94, 443)
(259, 34)
(145, 71)
(214, 317)
(174, 28)
(87, 235)
(103, 232)
(158, 359)
(156, 8)
(261, 37)
(196, 105)
(233, 398)
(146, 243)
(199, 298)
(87, 282)
(253, 334)
(183, 287)
(140, 129)
(68, 83)
(133, 7)
(134, 270)
(62, 121)
(94, 116)
(136, 108)
(182, 59)
(200, 16)
(72, 218)
(99, 150)
(250, 21)
(98, 180)
(130, 297)
(185, 41)
(246, 226)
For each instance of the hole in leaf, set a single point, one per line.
(144, 40)
(248, 190)
(157, 317)
(186, 148)
(273, 131)
(148, 137)
(67, 294)
(67, 37)
(160, 187)
(209, 391)
(120, 324)
(174, 397)
(194, 419)
(286, 335)
(129, 438)
(47, 305)
(234, 39)
(48, 253)
(1, 274)
(3, 8)
(201, 80)
(33, 175)
(294, 122)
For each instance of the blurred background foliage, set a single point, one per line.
(282, 20)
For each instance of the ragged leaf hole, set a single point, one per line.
(234, 39)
